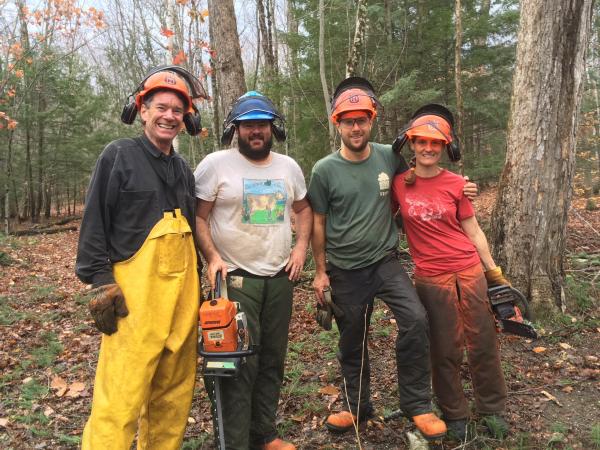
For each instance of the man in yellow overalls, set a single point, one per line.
(136, 248)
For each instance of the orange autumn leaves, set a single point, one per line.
(181, 57)
(43, 24)
(62, 387)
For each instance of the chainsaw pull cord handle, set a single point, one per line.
(219, 285)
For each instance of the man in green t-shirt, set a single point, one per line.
(354, 227)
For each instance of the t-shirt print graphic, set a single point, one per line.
(263, 202)
(423, 209)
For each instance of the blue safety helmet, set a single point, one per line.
(252, 106)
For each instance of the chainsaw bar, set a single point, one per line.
(519, 328)
(514, 323)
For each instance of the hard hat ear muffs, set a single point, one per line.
(229, 132)
(192, 90)
(432, 109)
(279, 132)
(354, 94)
(192, 122)
(227, 135)
(453, 149)
(400, 140)
(253, 106)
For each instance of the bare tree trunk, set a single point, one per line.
(214, 84)
(322, 73)
(228, 58)
(69, 200)
(387, 5)
(75, 196)
(266, 40)
(475, 150)
(258, 45)
(47, 200)
(292, 65)
(41, 150)
(359, 37)
(30, 212)
(460, 113)
(596, 127)
(271, 20)
(484, 16)
(7, 209)
(530, 216)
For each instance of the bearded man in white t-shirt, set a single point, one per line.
(245, 198)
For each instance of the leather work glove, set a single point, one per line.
(325, 312)
(106, 305)
(494, 277)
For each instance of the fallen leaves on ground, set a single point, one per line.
(49, 349)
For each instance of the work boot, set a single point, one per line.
(430, 426)
(279, 444)
(496, 425)
(457, 429)
(341, 422)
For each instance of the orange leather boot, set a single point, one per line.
(341, 422)
(279, 444)
(430, 426)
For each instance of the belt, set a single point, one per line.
(246, 274)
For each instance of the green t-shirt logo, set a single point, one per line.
(384, 184)
(263, 202)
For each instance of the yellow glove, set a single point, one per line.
(494, 277)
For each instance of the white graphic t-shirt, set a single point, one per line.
(250, 220)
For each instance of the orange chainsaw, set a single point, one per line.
(224, 336)
(224, 345)
(223, 325)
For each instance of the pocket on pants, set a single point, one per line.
(172, 254)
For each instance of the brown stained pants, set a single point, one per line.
(459, 313)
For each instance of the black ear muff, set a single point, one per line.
(279, 132)
(227, 135)
(453, 149)
(400, 140)
(192, 122)
(129, 112)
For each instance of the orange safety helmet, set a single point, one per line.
(164, 80)
(430, 126)
(354, 99)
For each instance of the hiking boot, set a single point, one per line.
(279, 444)
(496, 426)
(457, 429)
(430, 426)
(341, 422)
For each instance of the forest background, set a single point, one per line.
(67, 69)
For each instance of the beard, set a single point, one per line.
(347, 140)
(256, 154)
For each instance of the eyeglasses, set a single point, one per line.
(349, 123)
(251, 124)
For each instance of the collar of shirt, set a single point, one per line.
(165, 166)
(154, 151)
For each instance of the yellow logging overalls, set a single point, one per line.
(146, 370)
